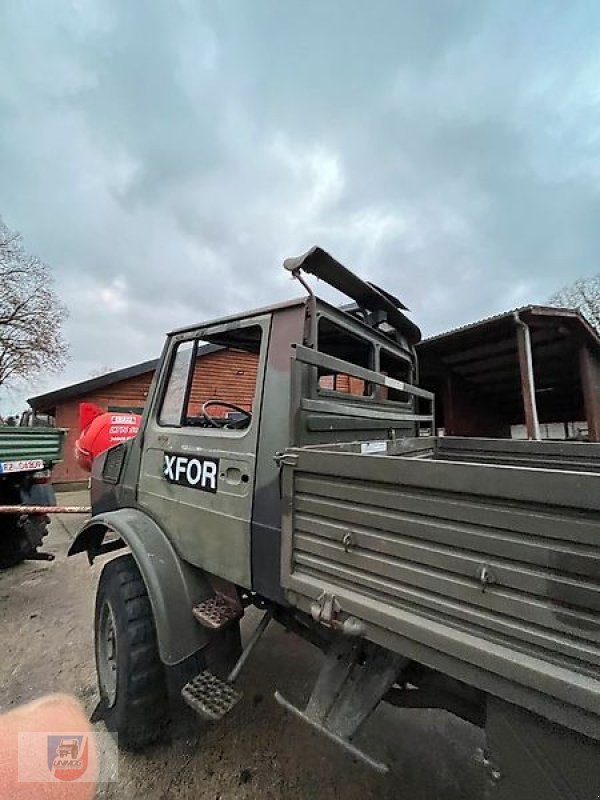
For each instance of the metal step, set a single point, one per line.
(209, 696)
(212, 697)
(216, 612)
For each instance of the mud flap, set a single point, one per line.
(530, 758)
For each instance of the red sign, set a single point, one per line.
(101, 430)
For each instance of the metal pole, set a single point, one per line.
(312, 300)
(257, 633)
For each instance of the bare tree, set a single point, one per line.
(583, 294)
(31, 314)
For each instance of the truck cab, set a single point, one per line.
(207, 466)
(196, 496)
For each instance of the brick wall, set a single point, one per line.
(225, 375)
(131, 393)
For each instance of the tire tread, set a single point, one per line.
(140, 712)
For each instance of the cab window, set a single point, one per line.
(334, 340)
(220, 383)
(400, 370)
(174, 396)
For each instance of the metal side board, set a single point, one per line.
(489, 573)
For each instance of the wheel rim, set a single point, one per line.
(107, 655)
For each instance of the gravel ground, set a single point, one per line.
(258, 752)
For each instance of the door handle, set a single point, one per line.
(235, 476)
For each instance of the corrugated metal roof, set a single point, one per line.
(475, 369)
(556, 311)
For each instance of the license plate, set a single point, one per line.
(32, 465)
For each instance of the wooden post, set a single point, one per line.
(448, 405)
(527, 379)
(589, 365)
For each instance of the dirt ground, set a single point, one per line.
(259, 751)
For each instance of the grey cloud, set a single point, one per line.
(165, 160)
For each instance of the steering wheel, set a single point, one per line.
(216, 423)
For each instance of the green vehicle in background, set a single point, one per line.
(461, 574)
(28, 452)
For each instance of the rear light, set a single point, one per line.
(43, 476)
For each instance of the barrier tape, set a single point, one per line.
(45, 509)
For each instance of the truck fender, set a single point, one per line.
(173, 585)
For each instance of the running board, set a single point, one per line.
(353, 679)
(211, 697)
(217, 612)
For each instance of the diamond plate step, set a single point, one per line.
(209, 696)
(216, 612)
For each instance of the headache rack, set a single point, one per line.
(330, 410)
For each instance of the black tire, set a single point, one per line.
(14, 546)
(20, 538)
(147, 699)
(11, 551)
(133, 693)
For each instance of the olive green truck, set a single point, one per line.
(461, 574)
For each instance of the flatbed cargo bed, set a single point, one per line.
(479, 558)
(31, 444)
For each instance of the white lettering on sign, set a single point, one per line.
(197, 472)
(194, 472)
(180, 464)
(209, 475)
(169, 461)
(31, 465)
(131, 430)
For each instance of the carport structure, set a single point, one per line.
(535, 365)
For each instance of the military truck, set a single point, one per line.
(432, 572)
(28, 452)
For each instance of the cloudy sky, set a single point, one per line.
(165, 156)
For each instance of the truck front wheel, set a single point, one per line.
(131, 677)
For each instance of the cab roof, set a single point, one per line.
(242, 315)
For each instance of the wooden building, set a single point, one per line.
(534, 371)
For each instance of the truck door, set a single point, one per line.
(199, 454)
